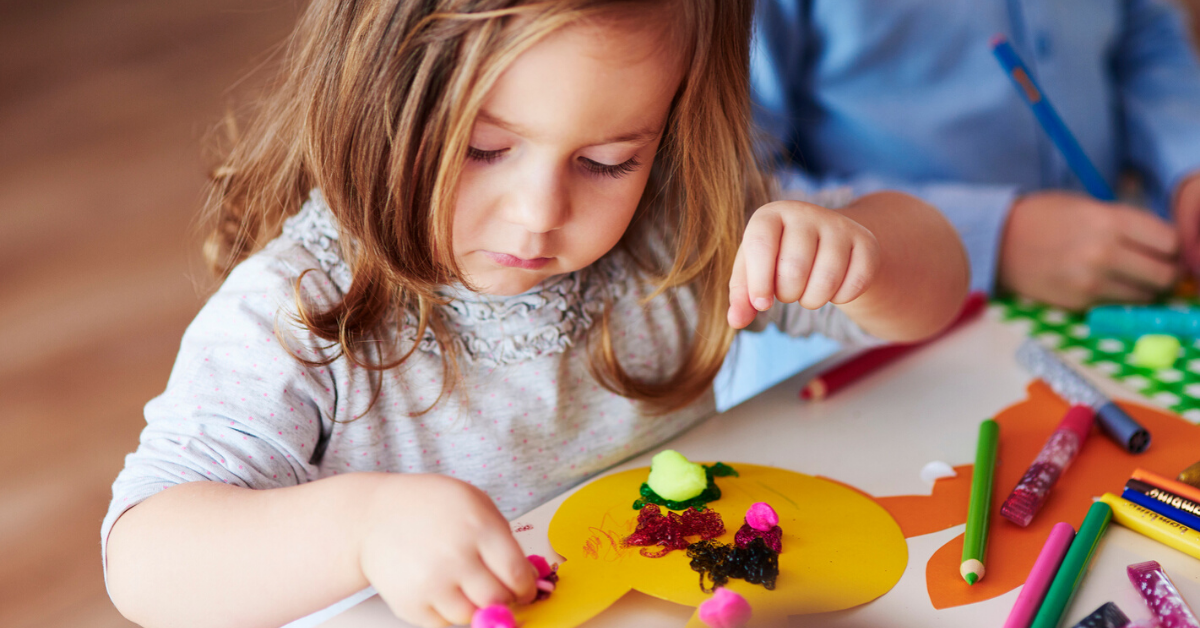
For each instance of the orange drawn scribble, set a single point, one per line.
(1101, 467)
(608, 538)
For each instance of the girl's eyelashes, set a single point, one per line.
(484, 156)
(615, 171)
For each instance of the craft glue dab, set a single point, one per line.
(1060, 449)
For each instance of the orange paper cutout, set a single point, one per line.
(1101, 467)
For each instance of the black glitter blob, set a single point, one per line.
(756, 563)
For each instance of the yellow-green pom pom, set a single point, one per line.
(1156, 351)
(673, 477)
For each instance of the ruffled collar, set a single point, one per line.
(486, 329)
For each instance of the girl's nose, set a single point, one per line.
(540, 203)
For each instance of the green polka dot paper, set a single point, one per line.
(1176, 388)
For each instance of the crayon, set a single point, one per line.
(1051, 123)
(872, 360)
(1174, 486)
(1040, 576)
(1132, 321)
(1153, 525)
(1060, 449)
(1149, 503)
(1074, 566)
(975, 541)
(1179, 508)
(1072, 386)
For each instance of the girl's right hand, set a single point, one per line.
(437, 549)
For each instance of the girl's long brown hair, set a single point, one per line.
(375, 107)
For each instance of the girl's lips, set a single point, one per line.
(512, 261)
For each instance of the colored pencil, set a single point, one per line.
(975, 541)
(1051, 123)
(872, 360)
(1151, 524)
(1072, 386)
(1074, 566)
(1040, 576)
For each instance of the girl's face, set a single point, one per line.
(560, 154)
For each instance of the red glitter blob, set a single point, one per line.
(671, 531)
(772, 537)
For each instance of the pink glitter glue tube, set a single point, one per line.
(1044, 570)
(1060, 449)
(1161, 596)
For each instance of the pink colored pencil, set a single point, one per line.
(1044, 570)
(868, 362)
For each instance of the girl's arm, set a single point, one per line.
(892, 263)
(211, 554)
(923, 272)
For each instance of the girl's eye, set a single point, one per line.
(484, 156)
(615, 171)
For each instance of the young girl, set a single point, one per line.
(477, 251)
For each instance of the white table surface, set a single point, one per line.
(930, 403)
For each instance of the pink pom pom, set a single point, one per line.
(762, 517)
(494, 616)
(543, 567)
(725, 609)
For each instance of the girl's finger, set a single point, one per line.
(761, 249)
(828, 271)
(864, 263)
(418, 612)
(453, 606)
(741, 312)
(1117, 290)
(482, 588)
(796, 255)
(503, 557)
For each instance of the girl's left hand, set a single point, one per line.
(794, 251)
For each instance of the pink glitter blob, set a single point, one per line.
(725, 609)
(671, 531)
(542, 566)
(761, 517)
(772, 537)
(494, 616)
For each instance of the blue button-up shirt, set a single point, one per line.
(866, 95)
(906, 94)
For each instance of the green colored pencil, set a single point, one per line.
(975, 543)
(1073, 567)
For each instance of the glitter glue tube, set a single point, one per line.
(1070, 385)
(1040, 576)
(1153, 525)
(1161, 596)
(1074, 566)
(1107, 616)
(1060, 449)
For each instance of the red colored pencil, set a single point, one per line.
(870, 361)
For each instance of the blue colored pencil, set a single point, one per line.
(1083, 168)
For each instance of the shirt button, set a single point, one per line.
(1044, 45)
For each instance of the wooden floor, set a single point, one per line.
(103, 108)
